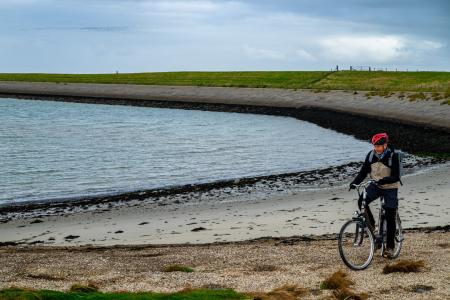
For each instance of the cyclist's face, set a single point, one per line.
(379, 148)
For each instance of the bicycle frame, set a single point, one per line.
(361, 218)
(361, 215)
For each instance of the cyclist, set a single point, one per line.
(386, 184)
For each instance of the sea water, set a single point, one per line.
(58, 150)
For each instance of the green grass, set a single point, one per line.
(226, 79)
(386, 81)
(194, 294)
(316, 80)
(178, 268)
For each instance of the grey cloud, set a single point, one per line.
(144, 35)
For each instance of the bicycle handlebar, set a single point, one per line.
(362, 185)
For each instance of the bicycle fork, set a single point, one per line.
(361, 224)
(359, 231)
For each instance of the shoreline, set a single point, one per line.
(265, 184)
(302, 177)
(279, 240)
(423, 202)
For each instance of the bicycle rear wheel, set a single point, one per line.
(398, 237)
(356, 245)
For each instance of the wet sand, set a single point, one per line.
(424, 201)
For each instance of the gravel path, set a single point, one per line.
(258, 265)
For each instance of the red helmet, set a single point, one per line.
(380, 138)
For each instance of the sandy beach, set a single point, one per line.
(423, 202)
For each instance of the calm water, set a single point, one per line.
(51, 150)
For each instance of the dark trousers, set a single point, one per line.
(390, 207)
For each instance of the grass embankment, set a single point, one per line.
(317, 80)
(224, 79)
(387, 81)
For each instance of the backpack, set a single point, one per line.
(400, 157)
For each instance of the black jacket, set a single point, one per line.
(366, 168)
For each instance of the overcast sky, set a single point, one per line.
(98, 36)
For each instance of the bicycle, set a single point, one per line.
(357, 239)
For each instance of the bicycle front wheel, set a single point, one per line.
(356, 245)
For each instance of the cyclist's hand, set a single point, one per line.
(352, 186)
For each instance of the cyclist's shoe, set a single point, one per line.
(388, 253)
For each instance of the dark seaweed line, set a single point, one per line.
(166, 191)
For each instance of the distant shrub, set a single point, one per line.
(385, 94)
(437, 96)
(417, 96)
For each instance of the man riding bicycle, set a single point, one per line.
(383, 166)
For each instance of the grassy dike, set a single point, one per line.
(318, 80)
